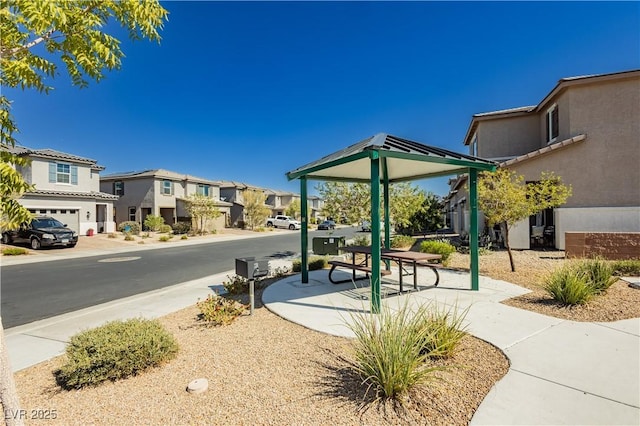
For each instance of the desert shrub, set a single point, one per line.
(259, 229)
(399, 241)
(112, 235)
(165, 229)
(129, 227)
(280, 272)
(315, 263)
(145, 235)
(569, 286)
(598, 272)
(441, 247)
(217, 310)
(236, 284)
(14, 251)
(165, 238)
(444, 330)
(184, 237)
(360, 240)
(153, 222)
(388, 350)
(114, 351)
(181, 227)
(128, 237)
(626, 267)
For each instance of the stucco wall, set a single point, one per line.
(508, 137)
(38, 173)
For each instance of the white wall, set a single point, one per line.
(595, 219)
(519, 235)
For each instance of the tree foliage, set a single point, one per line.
(353, 201)
(36, 37)
(202, 209)
(428, 218)
(506, 199)
(255, 210)
(293, 210)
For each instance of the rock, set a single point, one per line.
(198, 386)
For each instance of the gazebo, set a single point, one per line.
(383, 159)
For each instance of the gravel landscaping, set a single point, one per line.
(265, 370)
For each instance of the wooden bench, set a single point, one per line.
(338, 264)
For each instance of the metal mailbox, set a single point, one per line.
(249, 267)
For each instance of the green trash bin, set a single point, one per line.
(327, 245)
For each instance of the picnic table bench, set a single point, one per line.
(355, 267)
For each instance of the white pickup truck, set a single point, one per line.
(283, 222)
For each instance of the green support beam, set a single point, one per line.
(375, 232)
(473, 232)
(304, 240)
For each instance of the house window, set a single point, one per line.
(552, 123)
(132, 214)
(203, 190)
(167, 187)
(63, 173)
(118, 187)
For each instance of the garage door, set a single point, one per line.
(70, 217)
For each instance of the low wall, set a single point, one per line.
(609, 245)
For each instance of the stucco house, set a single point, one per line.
(279, 201)
(232, 192)
(67, 188)
(586, 130)
(162, 193)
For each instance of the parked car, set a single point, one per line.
(43, 231)
(327, 225)
(281, 221)
(365, 226)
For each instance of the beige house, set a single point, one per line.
(279, 201)
(586, 130)
(161, 193)
(67, 188)
(232, 192)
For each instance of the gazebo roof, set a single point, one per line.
(401, 160)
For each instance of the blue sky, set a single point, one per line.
(247, 91)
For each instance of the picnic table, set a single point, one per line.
(401, 257)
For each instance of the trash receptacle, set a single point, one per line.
(327, 245)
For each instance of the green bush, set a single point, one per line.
(399, 241)
(441, 247)
(389, 352)
(569, 286)
(153, 222)
(133, 227)
(181, 227)
(112, 235)
(128, 237)
(360, 240)
(626, 267)
(598, 272)
(165, 229)
(217, 310)
(259, 229)
(184, 237)
(236, 284)
(165, 238)
(445, 331)
(114, 351)
(14, 251)
(315, 263)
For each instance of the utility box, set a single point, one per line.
(249, 267)
(327, 245)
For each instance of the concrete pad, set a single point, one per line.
(631, 326)
(520, 399)
(25, 351)
(584, 356)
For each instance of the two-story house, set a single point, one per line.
(232, 192)
(161, 193)
(67, 188)
(586, 130)
(315, 204)
(279, 201)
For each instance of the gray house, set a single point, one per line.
(67, 187)
(161, 193)
(232, 192)
(586, 130)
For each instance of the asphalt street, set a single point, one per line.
(35, 291)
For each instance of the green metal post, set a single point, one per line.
(387, 227)
(473, 232)
(375, 232)
(304, 236)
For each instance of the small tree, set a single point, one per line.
(506, 199)
(428, 218)
(153, 222)
(255, 209)
(294, 209)
(202, 209)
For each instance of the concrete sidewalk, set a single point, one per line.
(562, 372)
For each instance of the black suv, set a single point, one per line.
(43, 231)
